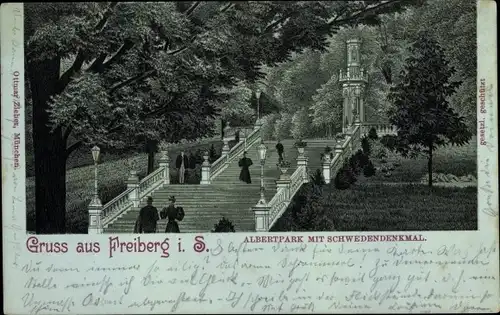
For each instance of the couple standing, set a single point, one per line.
(148, 217)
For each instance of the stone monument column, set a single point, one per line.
(353, 81)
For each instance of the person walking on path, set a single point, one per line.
(172, 213)
(148, 218)
(245, 163)
(181, 163)
(280, 149)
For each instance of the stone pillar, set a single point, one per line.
(225, 148)
(261, 216)
(302, 161)
(95, 217)
(164, 163)
(326, 167)
(133, 182)
(205, 170)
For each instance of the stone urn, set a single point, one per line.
(205, 158)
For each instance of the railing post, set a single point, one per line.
(261, 216)
(284, 184)
(164, 163)
(205, 170)
(302, 161)
(133, 182)
(225, 148)
(95, 218)
(326, 168)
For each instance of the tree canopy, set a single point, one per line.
(421, 110)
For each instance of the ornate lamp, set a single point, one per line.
(262, 155)
(95, 155)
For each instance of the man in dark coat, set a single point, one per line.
(280, 149)
(148, 218)
(181, 164)
(245, 163)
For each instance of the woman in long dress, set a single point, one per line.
(245, 163)
(172, 213)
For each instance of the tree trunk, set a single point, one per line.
(49, 152)
(151, 148)
(429, 165)
(222, 127)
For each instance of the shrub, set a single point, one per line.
(212, 154)
(317, 178)
(365, 145)
(345, 177)
(223, 226)
(372, 134)
(369, 170)
(300, 144)
(284, 164)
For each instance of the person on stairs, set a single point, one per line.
(147, 219)
(280, 149)
(181, 164)
(245, 163)
(172, 213)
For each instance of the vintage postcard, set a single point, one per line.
(286, 156)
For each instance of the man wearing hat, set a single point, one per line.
(172, 213)
(148, 218)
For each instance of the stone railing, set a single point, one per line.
(228, 155)
(382, 129)
(353, 75)
(136, 191)
(284, 194)
(149, 183)
(267, 214)
(115, 207)
(343, 150)
(230, 133)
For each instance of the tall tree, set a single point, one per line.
(110, 73)
(421, 110)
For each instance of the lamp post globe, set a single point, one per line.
(262, 152)
(95, 154)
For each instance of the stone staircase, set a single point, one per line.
(226, 196)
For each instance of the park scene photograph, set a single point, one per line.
(250, 116)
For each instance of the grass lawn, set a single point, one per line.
(399, 202)
(454, 160)
(402, 208)
(112, 177)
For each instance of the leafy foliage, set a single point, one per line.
(421, 109)
(317, 178)
(366, 146)
(223, 226)
(369, 170)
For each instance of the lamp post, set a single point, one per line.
(262, 155)
(95, 155)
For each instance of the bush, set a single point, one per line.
(372, 134)
(212, 154)
(300, 144)
(345, 177)
(223, 226)
(369, 170)
(365, 145)
(317, 178)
